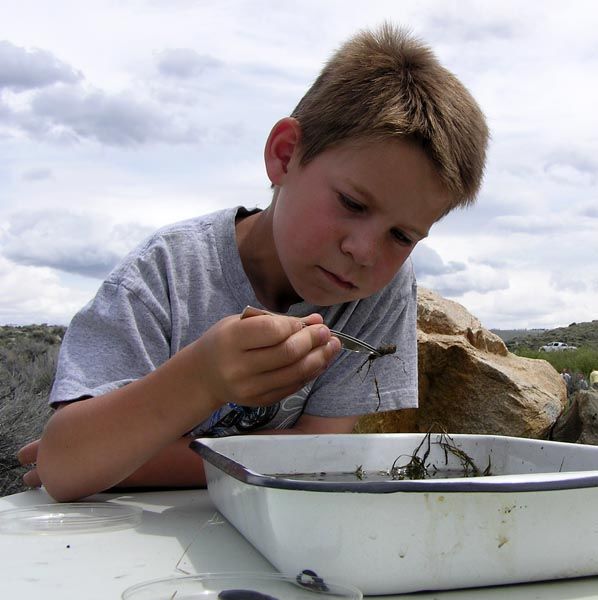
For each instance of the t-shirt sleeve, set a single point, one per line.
(355, 385)
(120, 336)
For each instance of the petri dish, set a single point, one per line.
(241, 586)
(74, 517)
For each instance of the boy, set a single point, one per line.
(383, 145)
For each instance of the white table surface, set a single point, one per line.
(181, 533)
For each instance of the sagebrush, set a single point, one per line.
(28, 358)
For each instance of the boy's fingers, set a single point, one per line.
(266, 331)
(312, 319)
(302, 343)
(275, 355)
(251, 311)
(31, 479)
(27, 455)
(277, 384)
(291, 350)
(261, 329)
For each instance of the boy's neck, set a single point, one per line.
(260, 261)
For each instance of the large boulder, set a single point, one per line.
(470, 383)
(579, 423)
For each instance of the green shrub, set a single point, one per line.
(584, 359)
(28, 358)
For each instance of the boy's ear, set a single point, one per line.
(281, 146)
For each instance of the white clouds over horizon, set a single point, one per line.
(117, 118)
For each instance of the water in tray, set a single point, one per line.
(361, 475)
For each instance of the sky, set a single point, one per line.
(120, 116)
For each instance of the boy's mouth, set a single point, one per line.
(338, 281)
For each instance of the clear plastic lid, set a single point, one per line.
(75, 517)
(241, 586)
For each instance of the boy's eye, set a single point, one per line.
(351, 204)
(401, 238)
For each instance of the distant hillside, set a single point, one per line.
(576, 334)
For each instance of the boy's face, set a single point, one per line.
(346, 222)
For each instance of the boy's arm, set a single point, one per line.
(179, 466)
(95, 444)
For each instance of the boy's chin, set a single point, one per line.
(327, 299)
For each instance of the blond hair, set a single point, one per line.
(387, 84)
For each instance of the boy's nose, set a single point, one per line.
(362, 245)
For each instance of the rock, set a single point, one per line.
(579, 423)
(470, 383)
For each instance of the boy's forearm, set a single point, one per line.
(175, 466)
(179, 466)
(95, 444)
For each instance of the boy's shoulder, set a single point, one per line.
(193, 226)
(193, 230)
(171, 246)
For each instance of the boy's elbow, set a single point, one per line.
(55, 474)
(61, 494)
(64, 489)
(55, 483)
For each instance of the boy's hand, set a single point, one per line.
(27, 456)
(260, 360)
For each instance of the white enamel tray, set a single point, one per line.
(533, 518)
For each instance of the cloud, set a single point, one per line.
(569, 280)
(576, 170)
(37, 174)
(84, 244)
(590, 211)
(160, 129)
(118, 119)
(455, 278)
(31, 294)
(22, 69)
(517, 308)
(477, 280)
(427, 261)
(185, 63)
(50, 101)
(446, 26)
(492, 262)
(538, 225)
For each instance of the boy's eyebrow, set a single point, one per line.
(372, 200)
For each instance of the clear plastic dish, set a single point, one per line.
(241, 586)
(75, 517)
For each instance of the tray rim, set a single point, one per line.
(526, 482)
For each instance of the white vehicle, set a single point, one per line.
(557, 347)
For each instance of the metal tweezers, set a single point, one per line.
(348, 342)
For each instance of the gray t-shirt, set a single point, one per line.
(186, 277)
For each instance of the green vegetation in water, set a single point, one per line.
(417, 466)
(406, 467)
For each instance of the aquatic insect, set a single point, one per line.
(383, 350)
